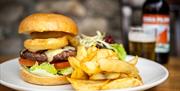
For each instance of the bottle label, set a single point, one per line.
(158, 25)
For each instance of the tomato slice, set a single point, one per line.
(26, 62)
(58, 65)
(61, 65)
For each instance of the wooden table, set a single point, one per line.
(172, 84)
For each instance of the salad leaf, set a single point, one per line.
(44, 66)
(98, 39)
(65, 71)
(41, 72)
(119, 49)
(89, 41)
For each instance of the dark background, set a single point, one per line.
(111, 16)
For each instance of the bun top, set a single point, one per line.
(43, 22)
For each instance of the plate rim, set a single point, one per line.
(150, 85)
(145, 86)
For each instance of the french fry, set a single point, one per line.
(98, 76)
(79, 74)
(74, 62)
(123, 76)
(104, 53)
(111, 75)
(100, 69)
(122, 83)
(81, 52)
(135, 75)
(92, 49)
(133, 61)
(111, 65)
(89, 57)
(90, 67)
(87, 85)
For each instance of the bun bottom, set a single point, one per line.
(39, 80)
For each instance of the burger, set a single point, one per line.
(44, 57)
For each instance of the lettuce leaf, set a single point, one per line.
(44, 66)
(65, 71)
(119, 49)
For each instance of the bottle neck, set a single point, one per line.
(156, 7)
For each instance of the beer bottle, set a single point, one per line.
(156, 18)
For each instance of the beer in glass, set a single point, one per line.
(141, 43)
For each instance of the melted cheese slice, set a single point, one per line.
(51, 53)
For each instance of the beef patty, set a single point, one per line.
(41, 56)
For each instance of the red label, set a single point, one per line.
(160, 25)
(155, 19)
(162, 37)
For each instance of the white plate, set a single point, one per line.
(152, 74)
